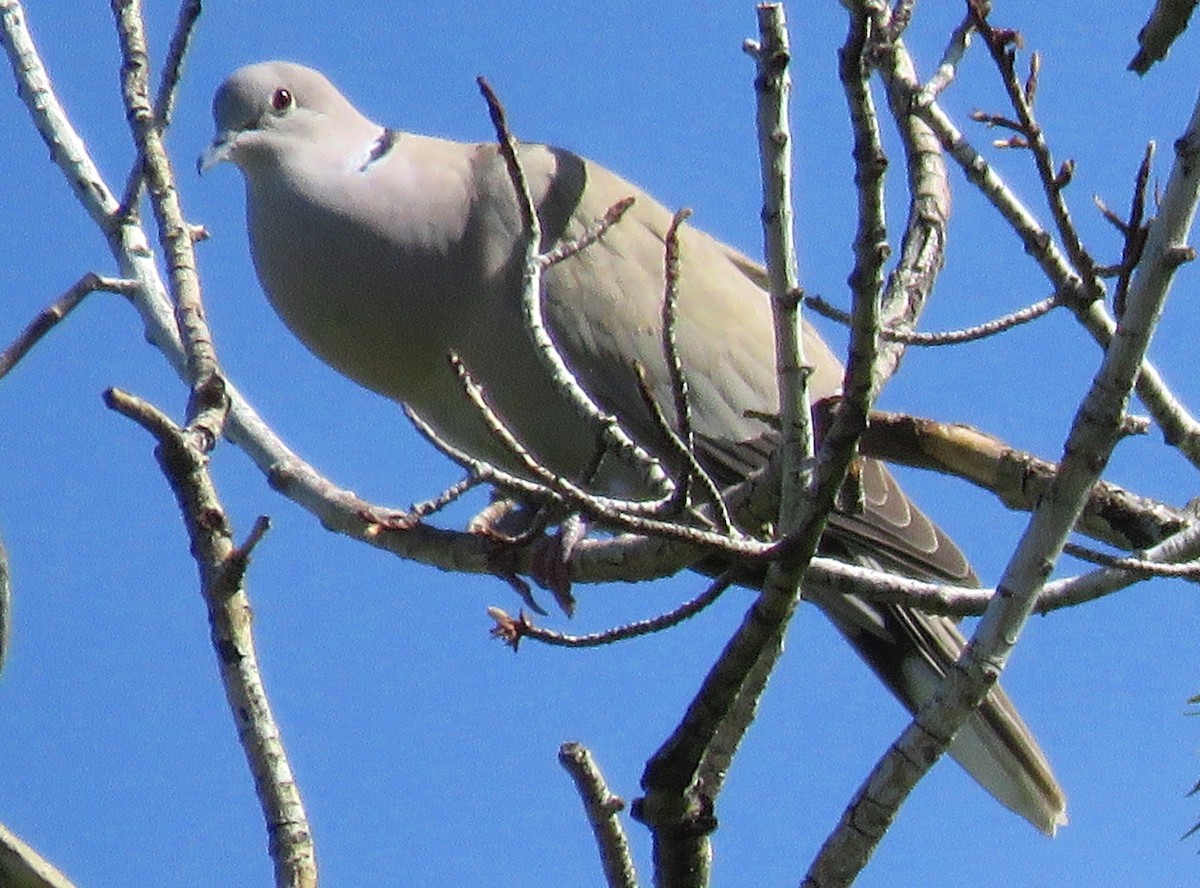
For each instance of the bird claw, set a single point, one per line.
(523, 591)
(550, 560)
(512, 528)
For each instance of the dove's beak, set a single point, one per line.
(219, 151)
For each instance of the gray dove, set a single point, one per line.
(383, 251)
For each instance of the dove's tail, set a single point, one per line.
(910, 652)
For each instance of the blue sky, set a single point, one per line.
(424, 750)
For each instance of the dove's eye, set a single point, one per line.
(282, 100)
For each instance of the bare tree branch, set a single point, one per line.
(175, 234)
(222, 567)
(1001, 44)
(22, 867)
(686, 775)
(681, 777)
(164, 100)
(1180, 428)
(5, 605)
(51, 315)
(614, 436)
(1094, 433)
(923, 245)
(956, 49)
(1167, 21)
(949, 337)
(1019, 480)
(602, 808)
(511, 631)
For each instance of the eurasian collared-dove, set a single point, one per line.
(384, 251)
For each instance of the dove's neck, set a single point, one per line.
(362, 252)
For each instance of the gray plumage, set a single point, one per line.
(384, 251)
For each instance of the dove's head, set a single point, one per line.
(265, 110)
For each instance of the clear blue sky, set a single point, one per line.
(425, 751)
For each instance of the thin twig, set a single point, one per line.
(999, 120)
(164, 100)
(675, 372)
(548, 480)
(693, 470)
(952, 56)
(1135, 231)
(1000, 43)
(680, 498)
(1180, 428)
(56, 311)
(511, 631)
(862, 378)
(621, 443)
(1188, 571)
(1109, 216)
(568, 247)
(207, 408)
(607, 511)
(5, 605)
(602, 808)
(428, 507)
(679, 386)
(1181, 548)
(946, 337)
